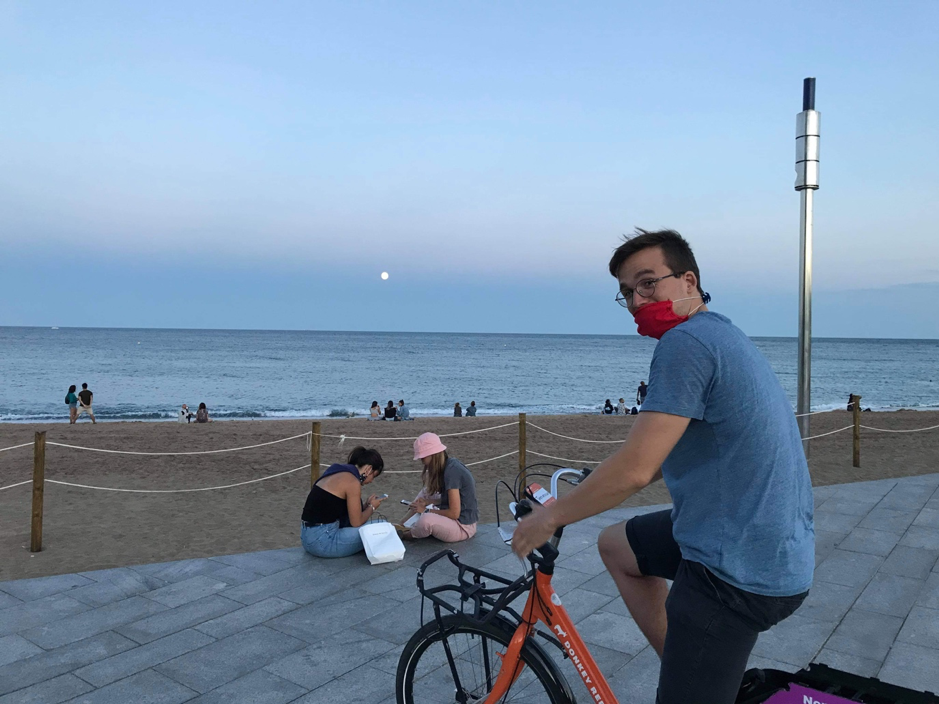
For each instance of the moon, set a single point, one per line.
(384, 276)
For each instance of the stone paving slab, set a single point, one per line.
(281, 627)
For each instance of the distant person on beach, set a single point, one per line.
(404, 413)
(851, 403)
(334, 509)
(202, 414)
(457, 411)
(185, 415)
(608, 408)
(738, 542)
(621, 407)
(450, 488)
(641, 393)
(71, 398)
(374, 413)
(390, 411)
(85, 398)
(471, 410)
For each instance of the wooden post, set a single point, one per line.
(315, 452)
(522, 446)
(39, 483)
(857, 430)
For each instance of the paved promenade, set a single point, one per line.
(280, 626)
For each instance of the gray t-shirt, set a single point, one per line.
(457, 476)
(738, 477)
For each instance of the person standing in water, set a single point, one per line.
(85, 398)
(71, 398)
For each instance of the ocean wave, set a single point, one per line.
(129, 413)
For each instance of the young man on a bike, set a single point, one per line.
(717, 426)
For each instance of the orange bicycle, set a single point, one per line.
(478, 649)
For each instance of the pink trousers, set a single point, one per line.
(440, 527)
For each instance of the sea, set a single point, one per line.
(146, 374)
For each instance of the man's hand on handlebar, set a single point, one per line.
(533, 531)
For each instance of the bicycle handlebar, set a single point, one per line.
(547, 553)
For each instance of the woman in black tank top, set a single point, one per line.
(334, 508)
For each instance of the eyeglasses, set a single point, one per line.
(645, 288)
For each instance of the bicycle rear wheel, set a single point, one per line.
(428, 674)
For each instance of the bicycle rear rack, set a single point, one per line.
(472, 587)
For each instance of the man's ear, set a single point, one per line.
(691, 282)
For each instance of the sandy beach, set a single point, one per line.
(88, 529)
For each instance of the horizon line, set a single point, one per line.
(424, 332)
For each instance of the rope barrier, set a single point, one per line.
(564, 459)
(419, 471)
(568, 437)
(493, 459)
(28, 481)
(444, 435)
(345, 437)
(814, 413)
(814, 437)
(16, 447)
(168, 454)
(610, 442)
(176, 491)
(914, 430)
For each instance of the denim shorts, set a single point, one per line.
(329, 540)
(712, 625)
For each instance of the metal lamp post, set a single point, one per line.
(807, 137)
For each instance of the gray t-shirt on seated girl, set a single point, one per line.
(457, 476)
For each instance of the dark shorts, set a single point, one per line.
(712, 625)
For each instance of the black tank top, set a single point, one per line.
(323, 507)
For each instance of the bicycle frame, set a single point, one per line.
(545, 605)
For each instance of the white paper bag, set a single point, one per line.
(382, 543)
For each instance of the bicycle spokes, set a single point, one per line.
(463, 668)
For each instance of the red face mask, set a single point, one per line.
(656, 319)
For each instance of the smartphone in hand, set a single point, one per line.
(382, 497)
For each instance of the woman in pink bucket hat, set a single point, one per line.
(449, 488)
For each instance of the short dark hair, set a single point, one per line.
(401, 402)
(84, 386)
(361, 456)
(675, 249)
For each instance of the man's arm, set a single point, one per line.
(634, 466)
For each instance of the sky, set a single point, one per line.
(247, 165)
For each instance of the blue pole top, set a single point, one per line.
(808, 94)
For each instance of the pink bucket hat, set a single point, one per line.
(427, 444)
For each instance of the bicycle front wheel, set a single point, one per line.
(460, 663)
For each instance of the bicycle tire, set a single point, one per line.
(424, 663)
